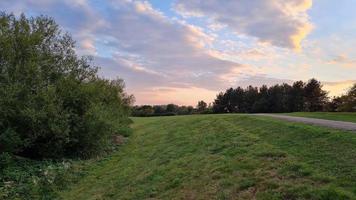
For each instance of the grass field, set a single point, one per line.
(338, 116)
(225, 157)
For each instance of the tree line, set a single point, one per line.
(170, 110)
(279, 98)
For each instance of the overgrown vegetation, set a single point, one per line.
(53, 104)
(23, 178)
(225, 157)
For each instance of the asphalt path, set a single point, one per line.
(349, 126)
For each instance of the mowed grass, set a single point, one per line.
(225, 157)
(338, 116)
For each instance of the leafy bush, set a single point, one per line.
(53, 104)
(22, 178)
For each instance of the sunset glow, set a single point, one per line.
(183, 51)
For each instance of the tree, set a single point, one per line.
(190, 109)
(52, 102)
(336, 104)
(297, 97)
(238, 100)
(202, 106)
(250, 97)
(286, 98)
(276, 98)
(314, 96)
(230, 97)
(159, 109)
(351, 99)
(220, 103)
(347, 103)
(144, 111)
(171, 108)
(261, 105)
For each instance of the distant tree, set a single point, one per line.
(190, 109)
(276, 99)
(147, 110)
(286, 98)
(183, 110)
(172, 108)
(159, 109)
(238, 100)
(348, 101)
(335, 104)
(297, 97)
(230, 97)
(220, 103)
(202, 106)
(351, 99)
(250, 97)
(315, 97)
(262, 104)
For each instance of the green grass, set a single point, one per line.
(225, 157)
(338, 116)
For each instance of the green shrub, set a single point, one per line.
(53, 104)
(22, 178)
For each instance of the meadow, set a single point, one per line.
(224, 157)
(66, 130)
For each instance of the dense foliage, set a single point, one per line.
(53, 104)
(275, 99)
(344, 103)
(22, 178)
(170, 110)
(161, 110)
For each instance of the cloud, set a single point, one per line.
(133, 40)
(282, 23)
(338, 88)
(163, 46)
(343, 60)
(88, 47)
(259, 80)
(334, 88)
(166, 60)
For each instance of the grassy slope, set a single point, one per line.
(225, 157)
(338, 116)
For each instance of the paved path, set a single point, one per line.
(320, 122)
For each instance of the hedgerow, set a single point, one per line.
(53, 103)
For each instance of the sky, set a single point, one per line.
(183, 51)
